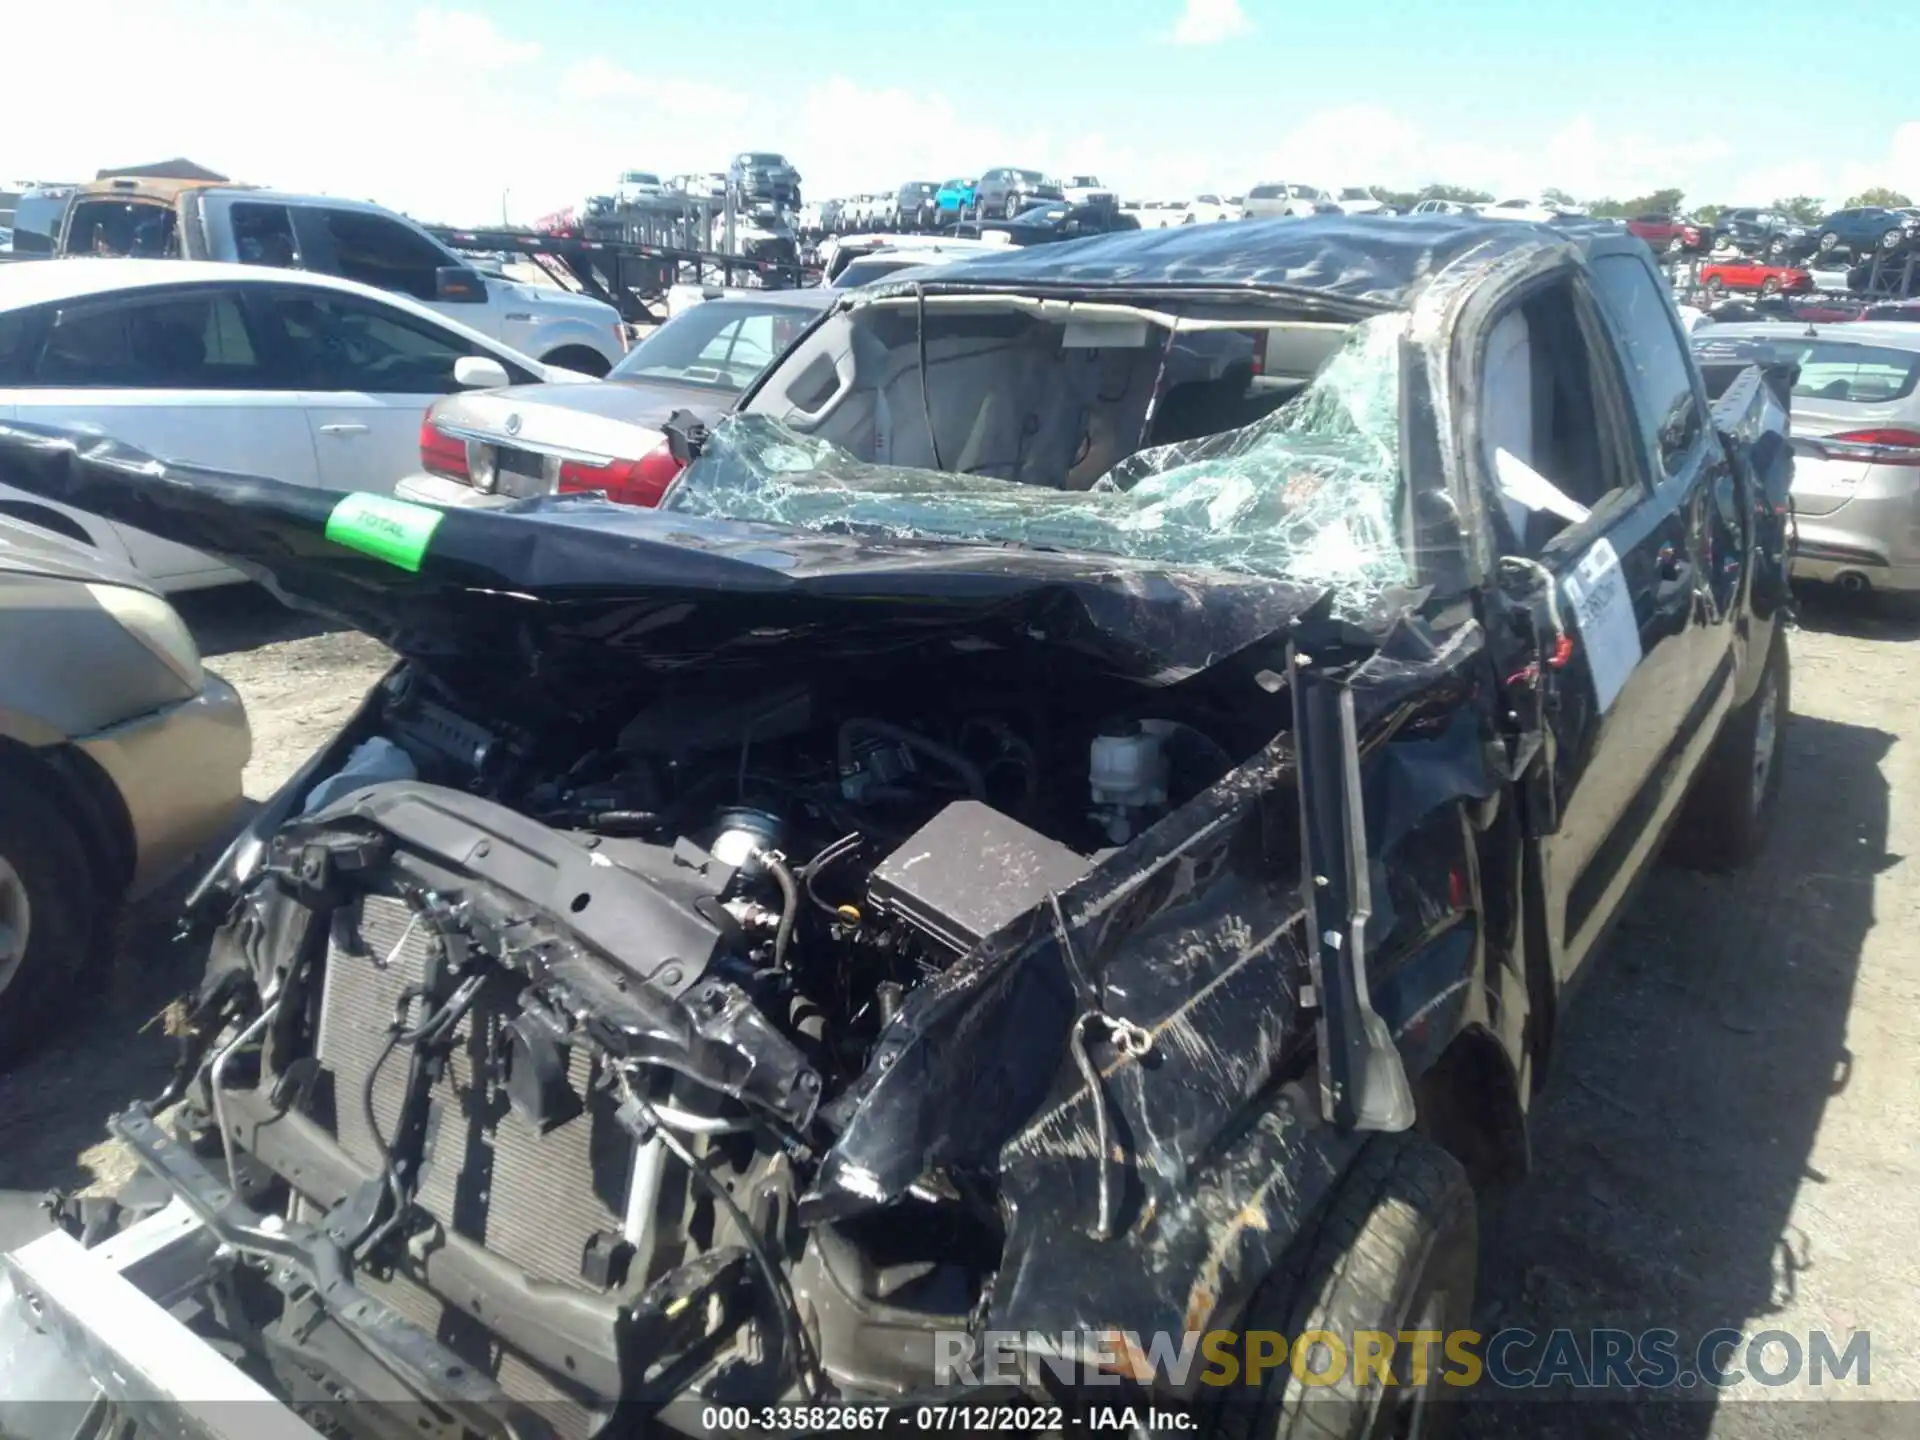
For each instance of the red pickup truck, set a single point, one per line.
(1672, 233)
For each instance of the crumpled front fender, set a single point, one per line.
(1193, 1265)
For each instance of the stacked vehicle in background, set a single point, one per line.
(1673, 234)
(1008, 191)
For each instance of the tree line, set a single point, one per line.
(1801, 209)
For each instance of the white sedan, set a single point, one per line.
(296, 376)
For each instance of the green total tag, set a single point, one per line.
(395, 531)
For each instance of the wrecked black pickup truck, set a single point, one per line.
(1074, 816)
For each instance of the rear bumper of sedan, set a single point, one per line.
(434, 490)
(1840, 566)
(178, 771)
(1873, 537)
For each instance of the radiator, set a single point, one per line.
(535, 1200)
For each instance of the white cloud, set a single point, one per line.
(1897, 167)
(470, 42)
(1208, 22)
(1370, 144)
(601, 79)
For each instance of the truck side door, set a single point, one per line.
(1693, 478)
(1621, 575)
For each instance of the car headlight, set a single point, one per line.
(156, 625)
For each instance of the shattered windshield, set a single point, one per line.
(1309, 493)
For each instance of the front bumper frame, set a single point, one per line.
(212, 1225)
(91, 1327)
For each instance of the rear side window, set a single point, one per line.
(1659, 372)
(263, 235)
(871, 268)
(1267, 192)
(150, 340)
(1854, 374)
(123, 228)
(383, 253)
(720, 345)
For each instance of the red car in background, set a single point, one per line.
(1673, 233)
(1743, 274)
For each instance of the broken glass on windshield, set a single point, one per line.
(1308, 493)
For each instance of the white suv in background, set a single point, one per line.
(1276, 197)
(1361, 200)
(1538, 210)
(1087, 190)
(1205, 209)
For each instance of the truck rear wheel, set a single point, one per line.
(1730, 811)
(1395, 1251)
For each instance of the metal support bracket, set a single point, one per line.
(87, 1326)
(1363, 1083)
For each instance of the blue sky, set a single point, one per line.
(458, 111)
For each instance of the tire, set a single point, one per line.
(1770, 286)
(1676, 246)
(1010, 208)
(1728, 815)
(48, 913)
(579, 357)
(1893, 239)
(1828, 241)
(1716, 287)
(1776, 248)
(1395, 1250)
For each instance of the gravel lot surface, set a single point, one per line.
(1732, 1132)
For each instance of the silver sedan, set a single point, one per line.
(1856, 440)
(120, 759)
(490, 447)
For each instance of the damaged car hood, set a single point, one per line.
(550, 589)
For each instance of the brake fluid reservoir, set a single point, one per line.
(1128, 768)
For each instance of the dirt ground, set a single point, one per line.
(1731, 1135)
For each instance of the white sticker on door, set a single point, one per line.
(1602, 613)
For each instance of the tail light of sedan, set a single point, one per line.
(443, 454)
(626, 482)
(1879, 445)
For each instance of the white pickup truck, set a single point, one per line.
(192, 220)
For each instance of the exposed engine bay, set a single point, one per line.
(535, 1022)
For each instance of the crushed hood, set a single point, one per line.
(547, 589)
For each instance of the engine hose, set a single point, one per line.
(831, 855)
(789, 903)
(433, 1031)
(963, 767)
(1130, 1041)
(217, 1074)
